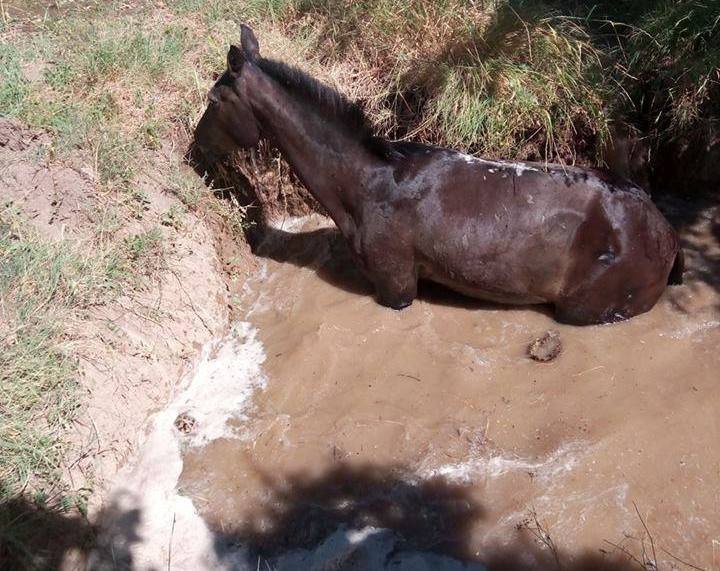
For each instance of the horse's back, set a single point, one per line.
(523, 232)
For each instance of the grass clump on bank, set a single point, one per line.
(675, 55)
(520, 79)
(98, 86)
(525, 87)
(42, 284)
(512, 79)
(13, 88)
(110, 89)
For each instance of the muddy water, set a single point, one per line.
(433, 422)
(327, 432)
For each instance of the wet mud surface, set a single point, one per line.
(433, 422)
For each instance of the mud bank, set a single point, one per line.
(132, 349)
(352, 434)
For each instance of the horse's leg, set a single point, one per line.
(395, 291)
(573, 313)
(388, 259)
(614, 297)
(394, 277)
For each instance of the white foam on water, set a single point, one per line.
(366, 549)
(224, 380)
(262, 301)
(149, 521)
(150, 525)
(693, 328)
(562, 460)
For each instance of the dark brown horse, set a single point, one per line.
(594, 247)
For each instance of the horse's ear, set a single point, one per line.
(249, 43)
(235, 60)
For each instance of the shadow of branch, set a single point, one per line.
(368, 517)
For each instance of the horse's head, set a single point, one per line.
(228, 122)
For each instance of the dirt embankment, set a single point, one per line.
(131, 350)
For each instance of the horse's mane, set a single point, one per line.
(330, 102)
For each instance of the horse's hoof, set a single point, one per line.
(395, 304)
(545, 348)
(402, 305)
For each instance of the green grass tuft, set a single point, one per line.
(41, 284)
(675, 52)
(13, 86)
(145, 252)
(122, 50)
(520, 83)
(115, 158)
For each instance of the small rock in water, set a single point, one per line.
(545, 348)
(185, 423)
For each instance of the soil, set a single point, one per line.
(131, 351)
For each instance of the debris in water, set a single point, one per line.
(185, 423)
(545, 348)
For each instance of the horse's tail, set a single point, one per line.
(676, 274)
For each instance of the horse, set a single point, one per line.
(592, 245)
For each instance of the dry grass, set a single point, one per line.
(514, 78)
(42, 285)
(504, 79)
(675, 54)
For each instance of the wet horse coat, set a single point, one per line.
(596, 248)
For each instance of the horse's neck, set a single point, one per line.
(325, 157)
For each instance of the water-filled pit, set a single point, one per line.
(333, 433)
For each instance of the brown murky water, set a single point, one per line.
(616, 441)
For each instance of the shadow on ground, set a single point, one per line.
(34, 536)
(349, 518)
(427, 524)
(697, 219)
